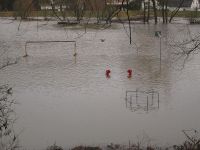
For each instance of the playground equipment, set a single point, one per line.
(142, 100)
(108, 73)
(34, 42)
(129, 73)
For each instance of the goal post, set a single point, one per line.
(35, 42)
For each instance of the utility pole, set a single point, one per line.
(159, 35)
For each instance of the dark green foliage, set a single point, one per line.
(86, 148)
(6, 4)
(135, 5)
(187, 146)
(54, 147)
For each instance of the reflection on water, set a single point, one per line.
(142, 101)
(74, 103)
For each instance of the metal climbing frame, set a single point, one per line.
(142, 100)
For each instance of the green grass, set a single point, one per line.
(93, 26)
(6, 14)
(87, 14)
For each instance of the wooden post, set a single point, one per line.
(147, 103)
(160, 53)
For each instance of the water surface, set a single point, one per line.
(71, 102)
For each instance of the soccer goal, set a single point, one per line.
(45, 42)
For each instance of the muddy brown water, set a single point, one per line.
(71, 102)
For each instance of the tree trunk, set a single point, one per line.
(148, 15)
(166, 11)
(176, 11)
(163, 11)
(155, 11)
(144, 12)
(129, 21)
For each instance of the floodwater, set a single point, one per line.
(70, 101)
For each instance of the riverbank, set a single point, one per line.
(187, 145)
(122, 14)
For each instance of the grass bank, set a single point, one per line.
(122, 14)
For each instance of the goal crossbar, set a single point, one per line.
(33, 42)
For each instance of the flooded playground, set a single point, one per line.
(68, 99)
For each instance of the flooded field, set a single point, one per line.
(70, 101)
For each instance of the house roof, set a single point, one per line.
(176, 3)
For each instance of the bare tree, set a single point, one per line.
(23, 8)
(155, 11)
(148, 8)
(183, 50)
(192, 142)
(166, 11)
(8, 138)
(173, 14)
(144, 12)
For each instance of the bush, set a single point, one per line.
(54, 147)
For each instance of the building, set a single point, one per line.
(173, 4)
(115, 2)
(195, 4)
(84, 4)
(118, 2)
(145, 3)
(187, 5)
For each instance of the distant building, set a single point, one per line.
(101, 4)
(49, 7)
(195, 4)
(118, 2)
(87, 4)
(115, 2)
(173, 4)
(145, 3)
(45, 7)
(187, 5)
(84, 4)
